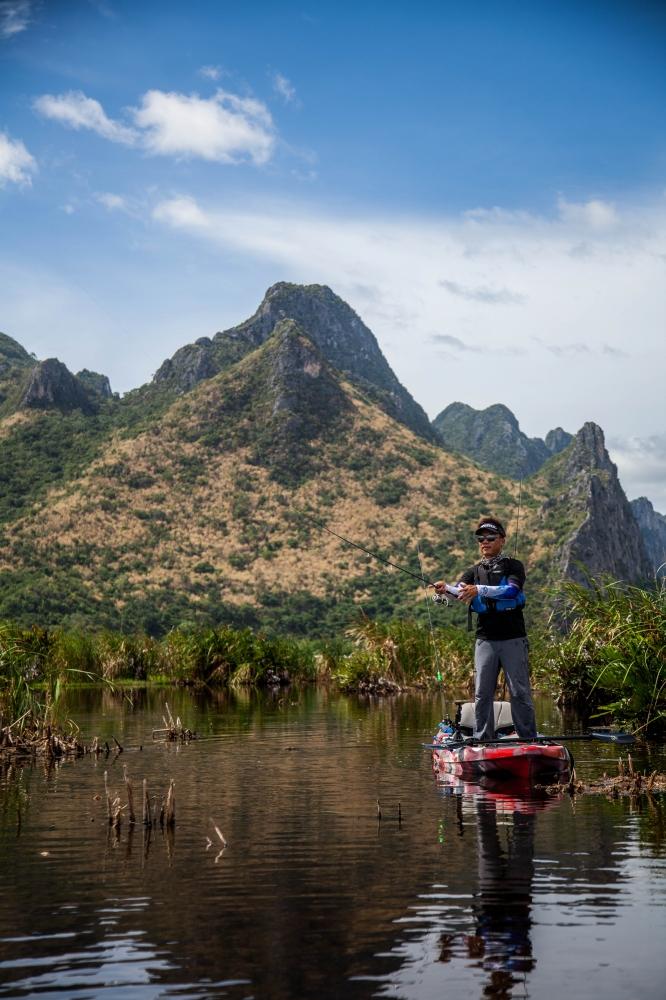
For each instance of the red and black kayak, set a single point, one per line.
(521, 760)
(457, 752)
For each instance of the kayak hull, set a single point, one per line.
(523, 762)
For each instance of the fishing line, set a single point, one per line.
(356, 545)
(432, 630)
(515, 539)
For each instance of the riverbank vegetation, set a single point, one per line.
(608, 652)
(604, 653)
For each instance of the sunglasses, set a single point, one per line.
(486, 538)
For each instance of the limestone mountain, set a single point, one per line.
(29, 384)
(196, 512)
(652, 525)
(15, 367)
(95, 383)
(586, 517)
(341, 336)
(191, 500)
(52, 386)
(556, 440)
(493, 438)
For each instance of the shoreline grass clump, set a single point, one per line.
(405, 653)
(235, 657)
(605, 653)
(611, 657)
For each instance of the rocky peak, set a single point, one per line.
(297, 403)
(15, 363)
(557, 440)
(95, 383)
(189, 365)
(297, 364)
(606, 540)
(301, 383)
(344, 341)
(492, 437)
(587, 452)
(13, 355)
(652, 526)
(53, 387)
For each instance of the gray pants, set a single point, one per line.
(513, 656)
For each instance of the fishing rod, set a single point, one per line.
(356, 545)
(599, 734)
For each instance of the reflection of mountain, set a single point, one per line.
(313, 898)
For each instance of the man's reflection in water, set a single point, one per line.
(501, 942)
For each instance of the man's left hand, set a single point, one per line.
(468, 592)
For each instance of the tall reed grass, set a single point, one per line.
(406, 652)
(612, 655)
(605, 653)
(34, 665)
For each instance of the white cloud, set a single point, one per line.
(77, 111)
(211, 72)
(641, 463)
(181, 213)
(593, 214)
(491, 296)
(15, 16)
(224, 128)
(114, 202)
(283, 87)
(16, 163)
(586, 343)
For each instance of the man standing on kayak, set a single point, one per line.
(493, 588)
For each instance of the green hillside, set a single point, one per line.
(182, 503)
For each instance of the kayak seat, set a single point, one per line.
(466, 720)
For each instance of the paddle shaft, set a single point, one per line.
(625, 738)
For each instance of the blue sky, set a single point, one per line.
(484, 183)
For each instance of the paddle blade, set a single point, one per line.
(610, 737)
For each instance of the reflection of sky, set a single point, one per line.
(592, 928)
(311, 892)
(123, 963)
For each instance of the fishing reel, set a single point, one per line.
(441, 599)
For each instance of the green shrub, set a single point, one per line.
(407, 652)
(611, 656)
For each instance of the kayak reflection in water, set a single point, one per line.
(501, 942)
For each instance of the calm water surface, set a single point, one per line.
(453, 892)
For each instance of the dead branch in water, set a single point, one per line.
(174, 730)
(627, 782)
(37, 738)
(221, 839)
(130, 796)
(114, 808)
(170, 808)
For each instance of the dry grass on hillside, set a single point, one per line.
(9, 424)
(157, 506)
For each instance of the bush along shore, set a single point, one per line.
(604, 653)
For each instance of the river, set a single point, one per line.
(348, 871)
